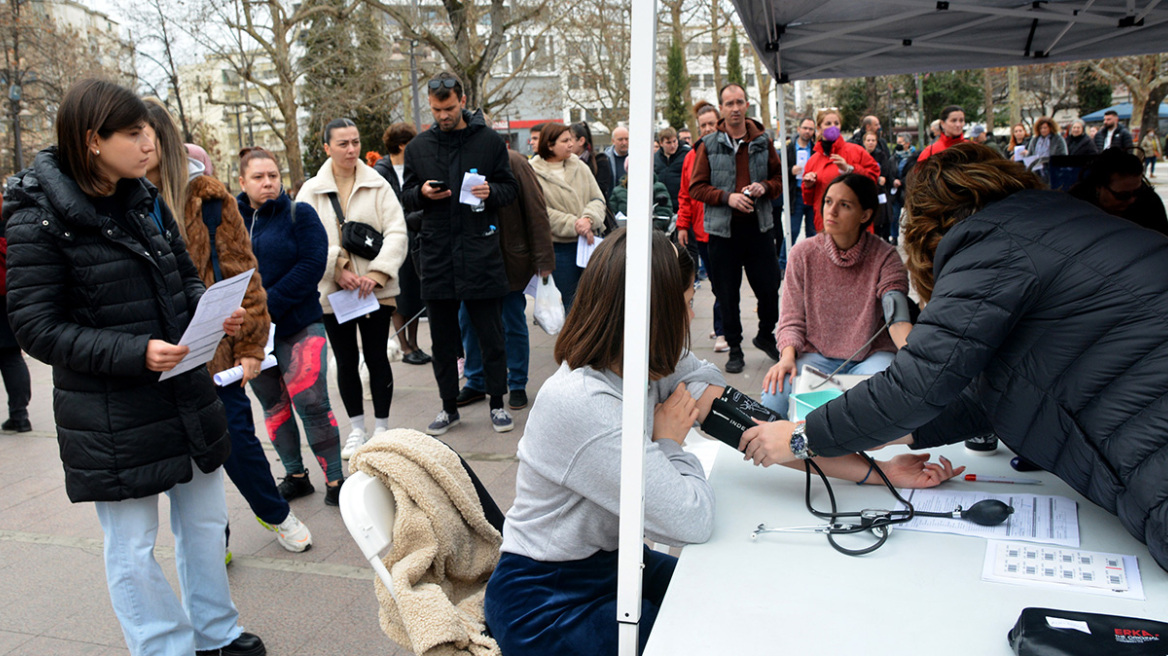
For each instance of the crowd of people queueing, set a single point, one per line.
(115, 233)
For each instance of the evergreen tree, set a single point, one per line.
(1094, 94)
(347, 78)
(734, 73)
(676, 111)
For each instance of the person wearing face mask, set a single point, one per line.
(347, 190)
(291, 248)
(832, 157)
(952, 127)
(102, 289)
(1115, 184)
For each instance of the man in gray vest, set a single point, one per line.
(736, 173)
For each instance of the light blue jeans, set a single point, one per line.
(780, 402)
(153, 621)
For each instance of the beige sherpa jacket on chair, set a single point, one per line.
(443, 552)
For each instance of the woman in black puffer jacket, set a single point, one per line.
(1045, 324)
(102, 290)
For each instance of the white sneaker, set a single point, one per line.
(292, 534)
(356, 439)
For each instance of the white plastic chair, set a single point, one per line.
(368, 510)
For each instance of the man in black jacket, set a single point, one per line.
(1112, 134)
(667, 163)
(459, 255)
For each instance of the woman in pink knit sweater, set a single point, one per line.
(843, 288)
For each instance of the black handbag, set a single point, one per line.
(1048, 632)
(360, 239)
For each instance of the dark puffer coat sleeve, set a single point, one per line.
(38, 280)
(974, 306)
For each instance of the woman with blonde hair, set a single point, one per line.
(220, 248)
(1044, 325)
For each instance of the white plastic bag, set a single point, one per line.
(549, 306)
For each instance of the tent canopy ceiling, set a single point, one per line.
(812, 39)
(1124, 111)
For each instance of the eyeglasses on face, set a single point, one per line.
(449, 83)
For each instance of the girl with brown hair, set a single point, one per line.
(102, 290)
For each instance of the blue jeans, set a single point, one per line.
(568, 608)
(153, 621)
(247, 466)
(515, 342)
(802, 213)
(780, 401)
(566, 273)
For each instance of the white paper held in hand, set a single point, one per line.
(348, 304)
(206, 327)
(235, 374)
(584, 250)
(470, 181)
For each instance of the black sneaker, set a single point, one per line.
(417, 356)
(332, 494)
(294, 487)
(16, 426)
(467, 396)
(767, 346)
(737, 362)
(247, 644)
(518, 400)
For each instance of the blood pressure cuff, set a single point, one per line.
(1049, 632)
(895, 306)
(731, 414)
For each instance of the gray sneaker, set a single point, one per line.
(442, 423)
(501, 420)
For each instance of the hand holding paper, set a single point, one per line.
(469, 182)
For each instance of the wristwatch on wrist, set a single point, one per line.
(799, 447)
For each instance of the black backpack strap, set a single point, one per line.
(212, 217)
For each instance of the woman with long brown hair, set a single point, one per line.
(1019, 136)
(1044, 325)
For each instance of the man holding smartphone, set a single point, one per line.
(459, 253)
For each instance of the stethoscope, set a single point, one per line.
(987, 512)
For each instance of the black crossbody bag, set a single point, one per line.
(360, 239)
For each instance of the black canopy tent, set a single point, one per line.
(812, 39)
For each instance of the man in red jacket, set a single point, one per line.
(952, 131)
(691, 213)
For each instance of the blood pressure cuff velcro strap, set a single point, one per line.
(731, 414)
(895, 305)
(1049, 632)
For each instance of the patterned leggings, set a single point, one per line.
(300, 380)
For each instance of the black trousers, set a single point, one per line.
(374, 329)
(753, 252)
(16, 382)
(487, 318)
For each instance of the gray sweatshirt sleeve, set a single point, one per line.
(679, 503)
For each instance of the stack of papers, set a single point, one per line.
(1037, 518)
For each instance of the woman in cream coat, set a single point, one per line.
(364, 197)
(575, 204)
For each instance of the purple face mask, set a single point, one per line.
(831, 133)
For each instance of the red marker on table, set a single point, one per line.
(974, 478)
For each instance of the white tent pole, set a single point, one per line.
(642, 112)
(789, 227)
